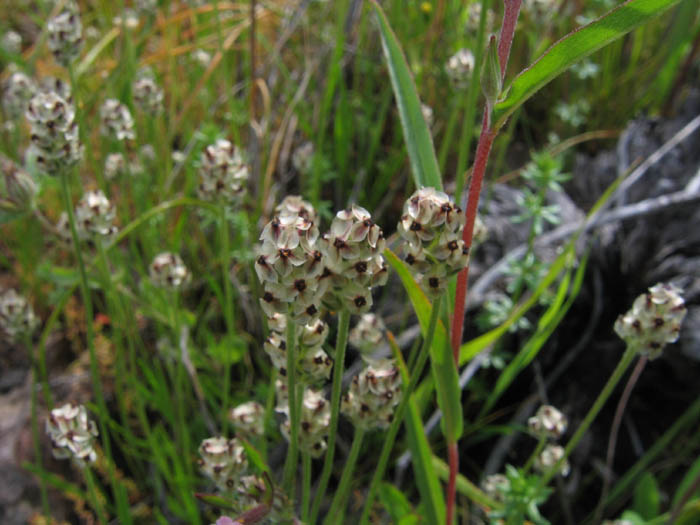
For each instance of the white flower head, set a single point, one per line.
(72, 433)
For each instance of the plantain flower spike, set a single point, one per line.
(548, 422)
(654, 320)
(95, 215)
(314, 420)
(117, 121)
(432, 226)
(168, 271)
(248, 419)
(72, 434)
(223, 461)
(65, 34)
(17, 318)
(550, 456)
(367, 334)
(223, 174)
(373, 395)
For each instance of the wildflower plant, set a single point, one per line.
(72, 434)
(17, 318)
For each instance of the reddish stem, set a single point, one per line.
(486, 138)
(453, 456)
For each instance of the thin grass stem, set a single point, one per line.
(335, 514)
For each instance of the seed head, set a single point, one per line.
(168, 271)
(17, 319)
(223, 174)
(548, 422)
(65, 34)
(248, 419)
(95, 215)
(223, 461)
(54, 132)
(654, 320)
(116, 119)
(72, 434)
(373, 395)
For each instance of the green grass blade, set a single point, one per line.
(419, 142)
(575, 46)
(441, 363)
(421, 455)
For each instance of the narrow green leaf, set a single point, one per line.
(421, 455)
(441, 363)
(646, 497)
(575, 46)
(686, 483)
(419, 142)
(394, 501)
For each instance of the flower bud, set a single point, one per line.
(17, 90)
(168, 271)
(491, 79)
(654, 320)
(72, 434)
(223, 461)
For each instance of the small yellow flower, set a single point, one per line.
(426, 7)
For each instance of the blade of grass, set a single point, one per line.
(419, 142)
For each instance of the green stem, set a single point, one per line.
(538, 449)
(306, 486)
(92, 490)
(290, 466)
(617, 374)
(335, 514)
(340, 346)
(227, 309)
(398, 416)
(35, 427)
(94, 368)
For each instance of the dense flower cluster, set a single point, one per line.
(72, 433)
(550, 456)
(460, 67)
(433, 226)
(548, 422)
(353, 257)
(373, 394)
(17, 90)
(115, 165)
(313, 363)
(249, 418)
(65, 34)
(94, 215)
(54, 132)
(290, 266)
(367, 334)
(148, 95)
(223, 173)
(17, 318)
(168, 271)
(315, 418)
(223, 461)
(654, 320)
(116, 119)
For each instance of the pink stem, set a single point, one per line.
(486, 138)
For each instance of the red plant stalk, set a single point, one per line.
(486, 138)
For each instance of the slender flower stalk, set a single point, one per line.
(340, 347)
(335, 514)
(290, 465)
(400, 410)
(305, 486)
